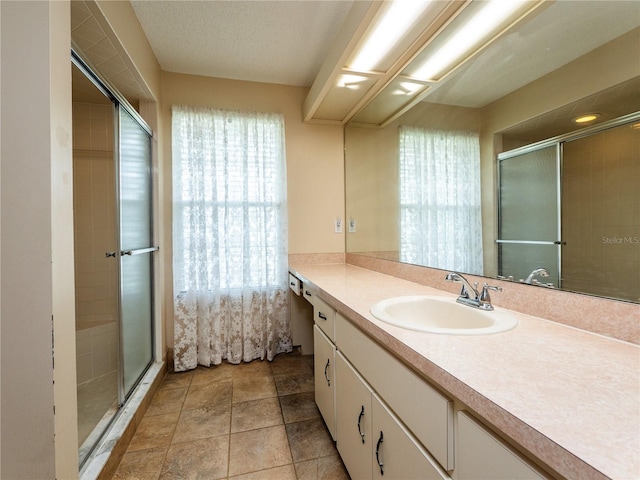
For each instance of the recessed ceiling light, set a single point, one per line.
(589, 117)
(351, 81)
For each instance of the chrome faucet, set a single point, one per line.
(469, 294)
(543, 272)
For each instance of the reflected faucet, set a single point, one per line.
(469, 294)
(543, 272)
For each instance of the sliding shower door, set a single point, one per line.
(136, 255)
(529, 214)
(113, 258)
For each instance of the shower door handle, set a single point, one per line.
(139, 251)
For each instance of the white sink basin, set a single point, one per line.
(443, 315)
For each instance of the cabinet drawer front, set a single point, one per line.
(427, 413)
(324, 316)
(481, 455)
(294, 284)
(324, 356)
(354, 434)
(395, 448)
(307, 294)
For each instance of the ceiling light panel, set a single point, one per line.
(475, 27)
(398, 24)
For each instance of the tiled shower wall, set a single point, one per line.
(95, 234)
(601, 214)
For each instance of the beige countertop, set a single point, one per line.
(569, 397)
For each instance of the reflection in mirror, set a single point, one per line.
(600, 172)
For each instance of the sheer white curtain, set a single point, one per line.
(440, 217)
(229, 237)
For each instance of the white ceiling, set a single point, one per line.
(282, 42)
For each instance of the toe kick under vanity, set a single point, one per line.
(542, 400)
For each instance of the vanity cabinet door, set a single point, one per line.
(427, 413)
(324, 377)
(353, 420)
(396, 454)
(480, 455)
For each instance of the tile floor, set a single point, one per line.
(255, 420)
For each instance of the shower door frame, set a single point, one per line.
(119, 102)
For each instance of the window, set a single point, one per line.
(229, 200)
(440, 215)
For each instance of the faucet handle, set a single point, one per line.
(485, 298)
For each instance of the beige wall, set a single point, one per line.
(37, 244)
(315, 175)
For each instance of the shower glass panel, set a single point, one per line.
(136, 243)
(96, 275)
(529, 218)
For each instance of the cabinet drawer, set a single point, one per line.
(294, 284)
(324, 317)
(481, 455)
(307, 294)
(425, 411)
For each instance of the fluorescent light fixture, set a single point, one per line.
(589, 117)
(394, 23)
(484, 23)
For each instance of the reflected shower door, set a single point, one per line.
(529, 216)
(136, 256)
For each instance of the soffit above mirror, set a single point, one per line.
(536, 47)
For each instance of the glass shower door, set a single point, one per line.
(529, 214)
(136, 255)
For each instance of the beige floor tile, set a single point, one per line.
(291, 384)
(286, 364)
(309, 439)
(201, 423)
(154, 431)
(214, 374)
(208, 395)
(199, 460)
(325, 468)
(253, 388)
(253, 369)
(167, 400)
(255, 414)
(286, 472)
(299, 407)
(257, 450)
(142, 465)
(177, 379)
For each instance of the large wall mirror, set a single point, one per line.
(491, 174)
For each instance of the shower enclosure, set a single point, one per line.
(113, 252)
(571, 205)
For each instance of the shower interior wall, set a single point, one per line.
(95, 234)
